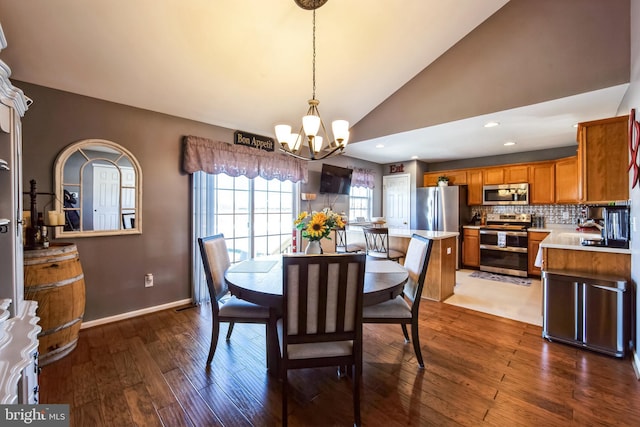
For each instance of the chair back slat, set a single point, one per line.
(322, 296)
(416, 263)
(215, 259)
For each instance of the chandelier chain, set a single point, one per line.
(314, 54)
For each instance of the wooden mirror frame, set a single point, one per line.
(134, 227)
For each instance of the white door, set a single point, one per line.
(396, 200)
(106, 197)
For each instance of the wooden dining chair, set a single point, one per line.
(404, 308)
(215, 259)
(341, 245)
(321, 322)
(377, 244)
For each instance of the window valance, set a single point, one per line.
(214, 157)
(363, 177)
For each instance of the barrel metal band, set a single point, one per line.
(36, 261)
(64, 282)
(60, 327)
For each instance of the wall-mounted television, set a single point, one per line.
(335, 180)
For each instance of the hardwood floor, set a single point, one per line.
(479, 370)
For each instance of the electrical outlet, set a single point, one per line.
(565, 215)
(449, 251)
(148, 280)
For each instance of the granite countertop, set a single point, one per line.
(572, 241)
(401, 232)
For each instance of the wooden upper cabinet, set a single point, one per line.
(474, 187)
(603, 158)
(567, 180)
(457, 177)
(542, 183)
(516, 174)
(491, 176)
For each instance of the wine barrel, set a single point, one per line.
(53, 277)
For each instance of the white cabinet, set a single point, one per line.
(18, 320)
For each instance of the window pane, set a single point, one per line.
(260, 224)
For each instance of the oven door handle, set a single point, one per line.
(507, 233)
(503, 248)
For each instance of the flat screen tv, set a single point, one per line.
(335, 180)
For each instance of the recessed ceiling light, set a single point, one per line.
(509, 143)
(379, 145)
(491, 124)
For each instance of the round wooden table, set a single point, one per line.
(259, 281)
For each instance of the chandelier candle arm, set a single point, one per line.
(313, 130)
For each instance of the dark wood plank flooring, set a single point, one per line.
(479, 370)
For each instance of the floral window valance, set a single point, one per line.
(214, 157)
(363, 178)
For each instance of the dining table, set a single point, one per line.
(259, 280)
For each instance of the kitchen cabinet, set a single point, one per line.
(602, 160)
(533, 244)
(471, 247)
(584, 310)
(542, 183)
(506, 175)
(492, 176)
(516, 174)
(474, 187)
(458, 177)
(566, 182)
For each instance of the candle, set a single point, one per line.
(61, 218)
(52, 218)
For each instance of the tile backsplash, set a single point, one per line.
(553, 214)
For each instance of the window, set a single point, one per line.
(255, 215)
(360, 203)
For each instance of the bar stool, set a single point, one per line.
(377, 241)
(341, 245)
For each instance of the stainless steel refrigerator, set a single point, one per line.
(442, 209)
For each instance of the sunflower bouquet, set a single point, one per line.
(318, 225)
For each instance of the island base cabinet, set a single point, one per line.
(586, 311)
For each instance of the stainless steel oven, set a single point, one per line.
(503, 244)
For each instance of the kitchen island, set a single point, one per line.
(441, 273)
(564, 251)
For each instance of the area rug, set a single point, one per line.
(522, 281)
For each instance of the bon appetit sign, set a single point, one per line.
(254, 141)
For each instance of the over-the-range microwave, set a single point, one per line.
(505, 194)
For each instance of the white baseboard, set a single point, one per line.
(636, 364)
(135, 313)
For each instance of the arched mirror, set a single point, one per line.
(98, 186)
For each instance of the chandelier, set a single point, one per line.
(313, 132)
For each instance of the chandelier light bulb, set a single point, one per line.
(340, 131)
(311, 125)
(317, 144)
(283, 133)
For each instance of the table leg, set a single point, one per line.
(273, 347)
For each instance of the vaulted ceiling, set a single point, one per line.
(406, 73)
